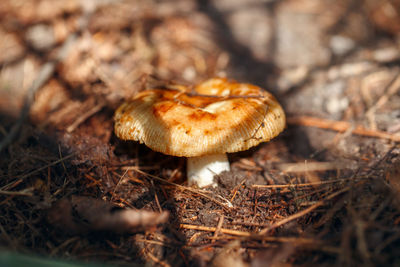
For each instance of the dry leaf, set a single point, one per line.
(79, 215)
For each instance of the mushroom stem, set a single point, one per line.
(201, 170)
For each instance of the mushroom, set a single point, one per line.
(216, 117)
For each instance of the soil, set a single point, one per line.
(324, 192)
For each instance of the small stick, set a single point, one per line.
(226, 206)
(260, 186)
(156, 260)
(84, 117)
(157, 202)
(236, 189)
(213, 229)
(303, 212)
(219, 226)
(26, 192)
(183, 257)
(248, 234)
(394, 87)
(340, 126)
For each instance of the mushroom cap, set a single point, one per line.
(218, 116)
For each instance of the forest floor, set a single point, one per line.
(324, 192)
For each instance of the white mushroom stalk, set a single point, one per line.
(201, 170)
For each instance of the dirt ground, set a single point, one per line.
(325, 192)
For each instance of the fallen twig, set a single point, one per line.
(303, 212)
(84, 117)
(219, 226)
(341, 126)
(249, 234)
(155, 259)
(258, 186)
(394, 87)
(26, 193)
(213, 229)
(227, 205)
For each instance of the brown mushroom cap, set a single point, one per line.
(219, 116)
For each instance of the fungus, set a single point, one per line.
(216, 117)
